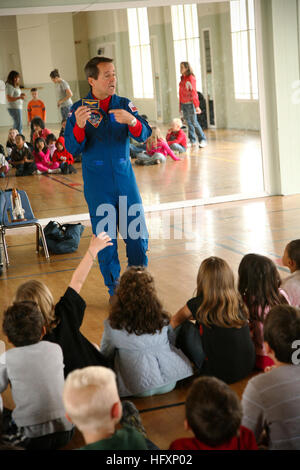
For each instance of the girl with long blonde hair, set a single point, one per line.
(219, 341)
(157, 150)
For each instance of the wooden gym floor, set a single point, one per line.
(228, 230)
(230, 164)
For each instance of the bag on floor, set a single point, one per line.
(62, 238)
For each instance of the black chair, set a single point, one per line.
(7, 220)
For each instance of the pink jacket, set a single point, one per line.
(162, 147)
(41, 157)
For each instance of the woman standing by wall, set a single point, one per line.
(15, 99)
(189, 104)
(64, 93)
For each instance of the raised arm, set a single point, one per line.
(96, 244)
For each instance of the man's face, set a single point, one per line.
(105, 84)
(34, 95)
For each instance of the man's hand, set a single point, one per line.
(82, 114)
(198, 111)
(122, 116)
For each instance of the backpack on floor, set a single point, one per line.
(62, 238)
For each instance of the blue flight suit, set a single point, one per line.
(107, 174)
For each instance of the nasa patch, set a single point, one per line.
(95, 118)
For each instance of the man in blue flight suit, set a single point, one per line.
(100, 130)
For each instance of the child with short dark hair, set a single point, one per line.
(63, 320)
(63, 157)
(259, 285)
(271, 401)
(35, 107)
(50, 141)
(219, 343)
(214, 415)
(291, 259)
(22, 159)
(34, 370)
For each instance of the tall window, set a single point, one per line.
(140, 53)
(244, 49)
(186, 39)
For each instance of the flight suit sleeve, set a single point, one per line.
(146, 129)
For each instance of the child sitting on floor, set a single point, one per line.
(11, 141)
(219, 343)
(34, 370)
(291, 284)
(271, 401)
(157, 150)
(21, 158)
(63, 320)
(176, 138)
(259, 285)
(50, 142)
(92, 403)
(214, 415)
(136, 338)
(63, 157)
(4, 167)
(41, 155)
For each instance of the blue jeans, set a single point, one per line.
(144, 159)
(177, 148)
(189, 114)
(135, 149)
(16, 115)
(64, 110)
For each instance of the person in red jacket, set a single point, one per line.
(189, 104)
(63, 157)
(214, 415)
(176, 138)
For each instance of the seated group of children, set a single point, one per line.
(222, 334)
(43, 154)
(156, 148)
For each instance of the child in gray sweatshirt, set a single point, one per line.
(34, 369)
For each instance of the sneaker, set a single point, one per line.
(131, 417)
(38, 172)
(203, 144)
(57, 170)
